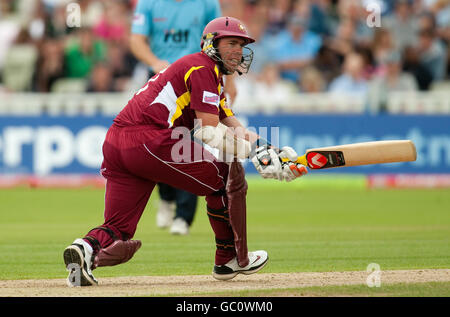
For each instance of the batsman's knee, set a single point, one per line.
(120, 251)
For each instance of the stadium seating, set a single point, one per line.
(19, 67)
(72, 103)
(69, 85)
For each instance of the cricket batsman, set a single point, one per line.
(138, 152)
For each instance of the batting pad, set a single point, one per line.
(237, 208)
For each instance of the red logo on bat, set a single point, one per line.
(316, 160)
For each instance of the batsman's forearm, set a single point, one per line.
(239, 129)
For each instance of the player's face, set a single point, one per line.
(230, 49)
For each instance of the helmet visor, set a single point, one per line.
(243, 67)
(246, 61)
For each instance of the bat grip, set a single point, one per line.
(300, 160)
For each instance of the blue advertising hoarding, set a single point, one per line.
(430, 134)
(47, 145)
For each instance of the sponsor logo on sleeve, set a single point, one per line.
(211, 98)
(138, 19)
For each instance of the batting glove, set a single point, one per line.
(267, 163)
(290, 169)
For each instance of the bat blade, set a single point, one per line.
(356, 154)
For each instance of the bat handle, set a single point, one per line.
(300, 160)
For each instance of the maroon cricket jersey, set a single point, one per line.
(170, 98)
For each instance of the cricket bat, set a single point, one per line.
(356, 154)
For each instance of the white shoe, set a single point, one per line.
(78, 259)
(165, 214)
(179, 226)
(257, 260)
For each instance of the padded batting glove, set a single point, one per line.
(266, 161)
(290, 170)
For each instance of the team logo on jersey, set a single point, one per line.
(211, 98)
(176, 36)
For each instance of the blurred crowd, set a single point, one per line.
(48, 45)
(306, 46)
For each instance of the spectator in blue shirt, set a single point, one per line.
(296, 48)
(352, 80)
(433, 54)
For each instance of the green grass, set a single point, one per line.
(316, 225)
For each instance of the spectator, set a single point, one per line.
(271, 90)
(369, 62)
(393, 79)
(426, 20)
(50, 64)
(57, 23)
(19, 64)
(253, 9)
(432, 54)
(261, 47)
(402, 25)
(382, 45)
(328, 63)
(296, 48)
(413, 65)
(417, 29)
(37, 24)
(354, 11)
(9, 29)
(343, 41)
(278, 15)
(122, 64)
(267, 91)
(101, 79)
(91, 12)
(234, 8)
(312, 81)
(352, 80)
(316, 14)
(114, 22)
(83, 53)
(386, 6)
(441, 10)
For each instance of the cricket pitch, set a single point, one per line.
(206, 285)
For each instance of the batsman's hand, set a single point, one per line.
(267, 162)
(290, 169)
(159, 65)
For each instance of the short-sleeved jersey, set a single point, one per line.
(171, 97)
(174, 27)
